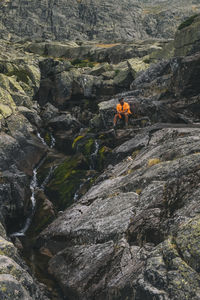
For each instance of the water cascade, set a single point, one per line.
(53, 141)
(94, 155)
(41, 139)
(33, 187)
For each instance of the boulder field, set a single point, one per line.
(114, 213)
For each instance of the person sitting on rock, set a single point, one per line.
(123, 110)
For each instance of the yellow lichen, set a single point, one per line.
(76, 140)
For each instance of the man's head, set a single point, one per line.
(121, 101)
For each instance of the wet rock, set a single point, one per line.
(45, 214)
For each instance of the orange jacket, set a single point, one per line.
(121, 109)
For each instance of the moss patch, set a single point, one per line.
(21, 74)
(66, 180)
(187, 22)
(82, 63)
(89, 147)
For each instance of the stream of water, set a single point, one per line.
(33, 187)
(94, 155)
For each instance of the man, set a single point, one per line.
(123, 110)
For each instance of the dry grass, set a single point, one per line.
(195, 8)
(107, 45)
(153, 161)
(138, 191)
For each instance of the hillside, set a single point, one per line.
(97, 19)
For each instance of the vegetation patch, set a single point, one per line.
(107, 45)
(89, 147)
(135, 153)
(138, 191)
(187, 22)
(147, 60)
(101, 157)
(153, 161)
(117, 72)
(83, 63)
(66, 180)
(21, 75)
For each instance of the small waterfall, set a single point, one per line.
(41, 139)
(53, 141)
(94, 155)
(76, 195)
(33, 187)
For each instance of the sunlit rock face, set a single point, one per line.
(86, 20)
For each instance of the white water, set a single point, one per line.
(94, 155)
(41, 139)
(53, 141)
(33, 187)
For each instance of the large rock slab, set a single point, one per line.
(125, 236)
(187, 37)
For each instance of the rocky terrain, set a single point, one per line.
(101, 213)
(93, 20)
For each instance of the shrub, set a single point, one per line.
(117, 72)
(82, 63)
(187, 22)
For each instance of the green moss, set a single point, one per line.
(82, 63)
(102, 157)
(146, 60)
(22, 75)
(187, 22)
(66, 180)
(117, 72)
(88, 147)
(47, 138)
